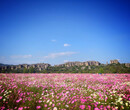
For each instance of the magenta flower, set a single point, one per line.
(0, 97)
(96, 109)
(39, 101)
(20, 108)
(19, 100)
(108, 106)
(89, 107)
(38, 107)
(2, 108)
(53, 105)
(55, 108)
(45, 105)
(82, 107)
(83, 100)
(72, 102)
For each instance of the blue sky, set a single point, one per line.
(45, 31)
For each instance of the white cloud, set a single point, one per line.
(30, 59)
(53, 40)
(118, 59)
(21, 56)
(54, 55)
(66, 45)
(66, 61)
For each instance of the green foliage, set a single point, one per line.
(31, 70)
(25, 70)
(101, 70)
(111, 68)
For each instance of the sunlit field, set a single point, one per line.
(65, 91)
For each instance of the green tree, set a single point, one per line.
(25, 70)
(31, 70)
(101, 70)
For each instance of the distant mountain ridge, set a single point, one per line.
(76, 66)
(42, 66)
(1, 64)
(76, 63)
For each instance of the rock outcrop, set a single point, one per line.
(127, 65)
(114, 61)
(39, 66)
(87, 63)
(45, 66)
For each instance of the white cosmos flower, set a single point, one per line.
(67, 106)
(121, 102)
(126, 104)
(48, 101)
(55, 108)
(4, 100)
(116, 107)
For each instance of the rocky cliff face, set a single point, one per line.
(39, 66)
(43, 66)
(66, 67)
(127, 65)
(114, 61)
(87, 63)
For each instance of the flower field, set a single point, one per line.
(64, 92)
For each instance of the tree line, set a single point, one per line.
(110, 68)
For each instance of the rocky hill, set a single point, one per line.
(39, 66)
(68, 67)
(87, 63)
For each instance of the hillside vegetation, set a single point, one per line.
(110, 68)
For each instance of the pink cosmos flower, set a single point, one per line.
(39, 101)
(20, 108)
(38, 107)
(108, 106)
(53, 105)
(2, 108)
(19, 100)
(45, 105)
(96, 109)
(106, 98)
(83, 100)
(89, 107)
(0, 97)
(72, 102)
(82, 107)
(55, 108)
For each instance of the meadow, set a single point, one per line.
(64, 91)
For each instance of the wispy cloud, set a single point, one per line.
(66, 61)
(54, 55)
(30, 59)
(53, 40)
(118, 59)
(20, 56)
(66, 45)
(16, 59)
